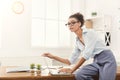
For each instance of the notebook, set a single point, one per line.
(55, 72)
(17, 69)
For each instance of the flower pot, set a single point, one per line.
(32, 71)
(38, 72)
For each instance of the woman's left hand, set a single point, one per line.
(68, 70)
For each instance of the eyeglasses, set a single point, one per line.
(72, 23)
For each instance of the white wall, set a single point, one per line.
(78, 6)
(16, 30)
(112, 8)
(16, 34)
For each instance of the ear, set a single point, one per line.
(79, 23)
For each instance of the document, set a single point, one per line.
(17, 69)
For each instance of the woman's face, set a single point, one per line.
(73, 24)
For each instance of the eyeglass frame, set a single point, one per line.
(71, 23)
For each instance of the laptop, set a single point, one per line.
(55, 72)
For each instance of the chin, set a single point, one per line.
(72, 30)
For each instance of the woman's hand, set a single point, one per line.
(67, 70)
(49, 55)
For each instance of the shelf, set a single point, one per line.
(93, 17)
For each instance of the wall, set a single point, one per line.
(16, 34)
(112, 8)
(16, 30)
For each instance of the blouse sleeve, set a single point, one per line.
(75, 55)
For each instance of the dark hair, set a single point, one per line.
(79, 17)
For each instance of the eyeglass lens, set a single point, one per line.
(72, 23)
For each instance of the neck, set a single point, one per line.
(79, 32)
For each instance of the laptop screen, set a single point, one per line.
(55, 71)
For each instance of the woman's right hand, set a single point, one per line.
(49, 55)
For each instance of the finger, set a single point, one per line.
(62, 70)
(44, 54)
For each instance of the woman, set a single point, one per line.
(90, 46)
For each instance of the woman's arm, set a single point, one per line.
(71, 70)
(79, 63)
(49, 55)
(66, 61)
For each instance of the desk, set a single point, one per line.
(118, 73)
(29, 76)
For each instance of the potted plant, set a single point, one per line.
(32, 66)
(38, 67)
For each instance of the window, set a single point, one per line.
(48, 19)
(1, 9)
(0, 28)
